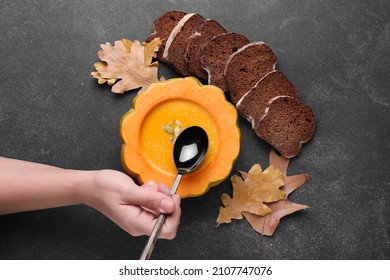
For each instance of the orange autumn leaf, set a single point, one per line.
(251, 193)
(127, 65)
(266, 225)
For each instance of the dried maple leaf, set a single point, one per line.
(127, 65)
(249, 194)
(267, 224)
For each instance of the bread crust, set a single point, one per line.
(162, 28)
(217, 52)
(253, 103)
(207, 30)
(176, 44)
(247, 66)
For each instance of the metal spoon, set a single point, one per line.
(188, 152)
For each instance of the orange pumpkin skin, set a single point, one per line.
(147, 150)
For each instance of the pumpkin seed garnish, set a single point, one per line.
(168, 129)
(173, 129)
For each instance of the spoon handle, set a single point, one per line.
(153, 237)
(145, 255)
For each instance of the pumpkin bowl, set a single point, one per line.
(159, 113)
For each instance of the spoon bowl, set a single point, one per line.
(189, 150)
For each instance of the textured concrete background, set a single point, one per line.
(337, 53)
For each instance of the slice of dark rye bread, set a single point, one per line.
(247, 66)
(207, 30)
(287, 124)
(252, 104)
(162, 28)
(176, 44)
(217, 52)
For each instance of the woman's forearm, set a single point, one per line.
(28, 186)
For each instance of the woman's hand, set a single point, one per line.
(135, 209)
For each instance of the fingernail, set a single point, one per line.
(152, 184)
(166, 205)
(164, 187)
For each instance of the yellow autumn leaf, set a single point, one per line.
(97, 76)
(127, 65)
(266, 225)
(249, 194)
(150, 51)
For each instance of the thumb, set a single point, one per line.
(153, 200)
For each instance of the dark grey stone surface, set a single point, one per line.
(337, 53)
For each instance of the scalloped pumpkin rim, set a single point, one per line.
(221, 165)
